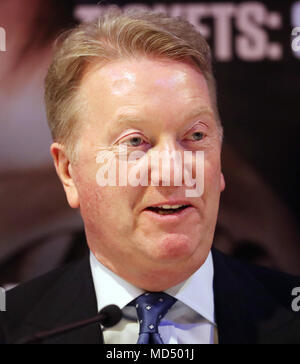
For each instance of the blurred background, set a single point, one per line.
(259, 98)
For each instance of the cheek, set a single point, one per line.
(213, 175)
(92, 205)
(106, 209)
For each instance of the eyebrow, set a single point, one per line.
(131, 118)
(201, 111)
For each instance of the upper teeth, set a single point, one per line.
(168, 207)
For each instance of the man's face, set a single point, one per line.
(148, 105)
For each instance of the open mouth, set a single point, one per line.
(164, 211)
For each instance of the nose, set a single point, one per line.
(167, 163)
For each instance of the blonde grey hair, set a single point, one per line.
(116, 35)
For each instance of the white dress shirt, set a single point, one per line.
(191, 320)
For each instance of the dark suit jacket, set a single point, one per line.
(253, 305)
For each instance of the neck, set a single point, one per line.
(154, 278)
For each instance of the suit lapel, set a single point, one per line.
(72, 299)
(245, 312)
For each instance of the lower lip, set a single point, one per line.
(172, 218)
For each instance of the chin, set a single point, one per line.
(174, 248)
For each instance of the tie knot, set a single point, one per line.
(151, 308)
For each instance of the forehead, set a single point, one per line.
(164, 89)
(122, 76)
(148, 74)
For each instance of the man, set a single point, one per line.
(119, 91)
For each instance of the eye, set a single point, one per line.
(134, 141)
(196, 137)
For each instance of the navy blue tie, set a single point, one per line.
(151, 308)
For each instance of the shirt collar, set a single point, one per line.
(196, 292)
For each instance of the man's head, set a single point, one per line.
(143, 78)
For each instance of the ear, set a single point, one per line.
(63, 168)
(223, 183)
